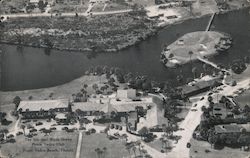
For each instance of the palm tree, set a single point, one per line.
(205, 68)
(104, 151)
(16, 101)
(162, 142)
(73, 96)
(194, 71)
(98, 152)
(85, 86)
(95, 86)
(190, 53)
(23, 128)
(84, 92)
(134, 150)
(128, 148)
(138, 143)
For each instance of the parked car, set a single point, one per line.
(70, 130)
(39, 123)
(52, 128)
(65, 128)
(33, 130)
(10, 136)
(19, 133)
(210, 93)
(82, 128)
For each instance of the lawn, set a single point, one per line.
(61, 91)
(244, 75)
(115, 148)
(198, 149)
(156, 144)
(63, 146)
(243, 99)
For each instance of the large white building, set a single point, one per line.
(42, 108)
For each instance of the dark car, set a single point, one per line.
(65, 128)
(42, 129)
(10, 136)
(39, 123)
(33, 130)
(52, 128)
(19, 133)
(188, 145)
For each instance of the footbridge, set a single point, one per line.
(212, 64)
(210, 22)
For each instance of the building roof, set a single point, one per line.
(34, 1)
(127, 93)
(42, 104)
(61, 116)
(89, 106)
(112, 106)
(232, 128)
(186, 89)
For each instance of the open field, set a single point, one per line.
(198, 150)
(115, 148)
(244, 99)
(62, 146)
(157, 144)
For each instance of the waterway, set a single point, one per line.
(31, 68)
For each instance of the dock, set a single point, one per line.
(212, 64)
(210, 22)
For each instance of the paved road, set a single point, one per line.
(79, 144)
(193, 118)
(66, 14)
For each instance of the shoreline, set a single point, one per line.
(130, 43)
(216, 43)
(136, 40)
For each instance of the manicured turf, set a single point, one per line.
(198, 150)
(115, 148)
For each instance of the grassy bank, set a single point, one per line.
(61, 91)
(98, 33)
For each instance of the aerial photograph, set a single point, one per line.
(124, 78)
